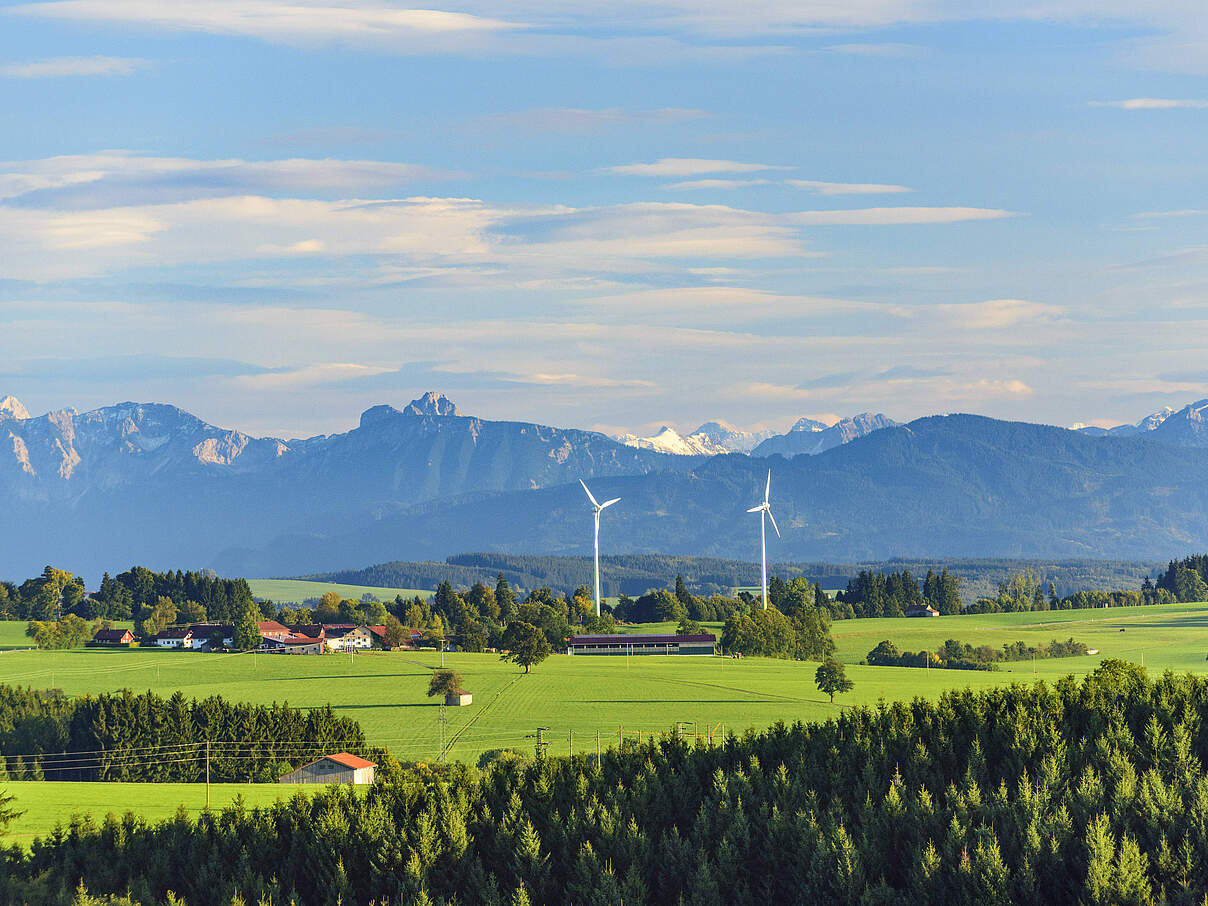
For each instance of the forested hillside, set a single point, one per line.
(634, 574)
(1090, 792)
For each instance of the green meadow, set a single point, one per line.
(46, 803)
(295, 591)
(615, 696)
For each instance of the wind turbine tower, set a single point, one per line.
(597, 507)
(763, 509)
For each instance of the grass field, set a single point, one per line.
(295, 591)
(46, 804)
(583, 695)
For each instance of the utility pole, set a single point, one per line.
(443, 722)
(597, 748)
(207, 774)
(572, 743)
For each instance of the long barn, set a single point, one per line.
(642, 644)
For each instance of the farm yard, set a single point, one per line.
(617, 696)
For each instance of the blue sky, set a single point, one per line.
(613, 215)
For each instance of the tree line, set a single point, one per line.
(144, 737)
(954, 655)
(1090, 792)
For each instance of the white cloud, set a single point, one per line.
(288, 21)
(1151, 104)
(846, 188)
(715, 184)
(987, 387)
(689, 166)
(309, 375)
(895, 216)
(997, 313)
(72, 66)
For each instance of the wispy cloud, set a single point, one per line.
(690, 166)
(998, 313)
(72, 66)
(895, 216)
(1152, 103)
(578, 120)
(121, 177)
(1156, 215)
(846, 188)
(715, 184)
(887, 49)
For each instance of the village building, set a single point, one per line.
(174, 638)
(340, 768)
(342, 636)
(293, 644)
(203, 633)
(114, 637)
(272, 629)
(642, 644)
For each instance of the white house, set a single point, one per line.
(175, 638)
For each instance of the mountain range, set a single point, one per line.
(152, 484)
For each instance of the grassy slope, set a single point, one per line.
(47, 803)
(295, 591)
(385, 692)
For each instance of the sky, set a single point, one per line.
(615, 215)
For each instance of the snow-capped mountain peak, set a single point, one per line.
(10, 407)
(668, 440)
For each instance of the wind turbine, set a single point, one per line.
(598, 507)
(763, 508)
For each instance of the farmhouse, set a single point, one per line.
(921, 610)
(342, 636)
(204, 632)
(642, 644)
(174, 638)
(341, 768)
(272, 629)
(293, 644)
(114, 637)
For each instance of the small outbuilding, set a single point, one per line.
(921, 610)
(114, 637)
(339, 768)
(457, 699)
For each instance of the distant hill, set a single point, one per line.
(635, 574)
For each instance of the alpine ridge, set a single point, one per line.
(149, 483)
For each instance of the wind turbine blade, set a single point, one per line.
(609, 502)
(768, 489)
(755, 509)
(589, 497)
(773, 518)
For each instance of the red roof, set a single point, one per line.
(268, 627)
(351, 761)
(298, 640)
(379, 631)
